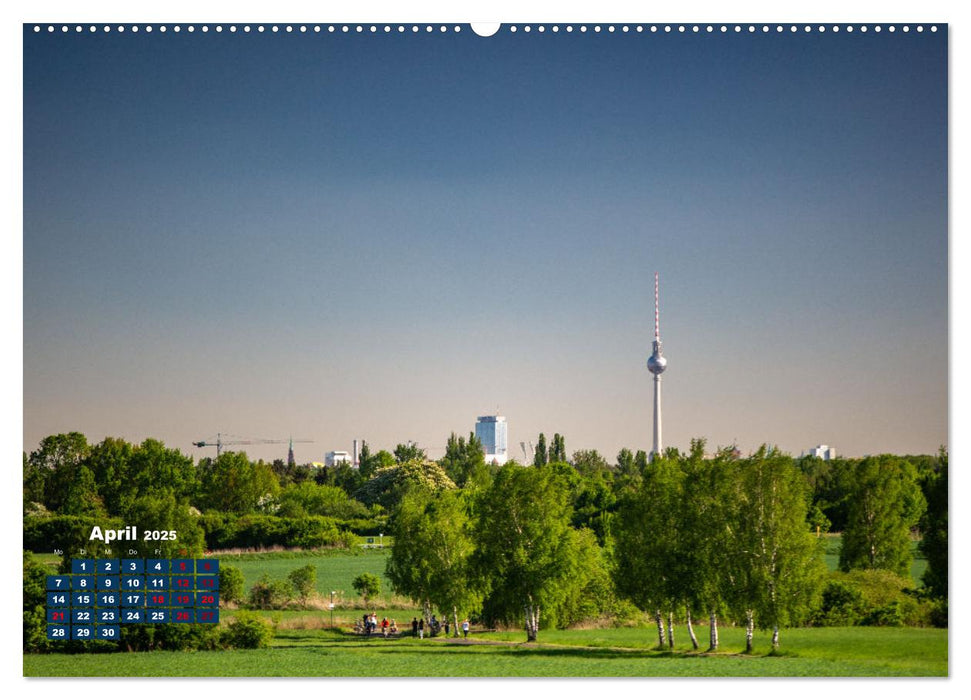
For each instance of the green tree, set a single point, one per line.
(934, 544)
(231, 584)
(540, 456)
(368, 586)
(365, 462)
(557, 449)
(774, 558)
(233, 484)
(430, 559)
(304, 581)
(589, 462)
(69, 485)
(525, 554)
(625, 462)
(464, 462)
(309, 498)
(35, 601)
(408, 452)
(164, 512)
(389, 483)
(884, 503)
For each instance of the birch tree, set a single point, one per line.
(775, 564)
(525, 549)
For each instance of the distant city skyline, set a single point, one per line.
(384, 237)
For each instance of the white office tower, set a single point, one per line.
(491, 431)
(823, 452)
(656, 364)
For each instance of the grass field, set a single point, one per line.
(839, 652)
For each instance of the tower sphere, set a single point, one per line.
(656, 363)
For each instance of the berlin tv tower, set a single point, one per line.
(656, 364)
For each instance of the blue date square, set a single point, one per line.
(107, 600)
(107, 583)
(207, 566)
(82, 583)
(58, 616)
(132, 616)
(207, 599)
(207, 617)
(108, 632)
(156, 583)
(81, 599)
(132, 600)
(182, 566)
(133, 583)
(58, 583)
(82, 616)
(183, 615)
(156, 600)
(157, 616)
(82, 566)
(107, 566)
(181, 600)
(58, 632)
(133, 566)
(107, 617)
(157, 566)
(58, 600)
(82, 632)
(207, 583)
(183, 583)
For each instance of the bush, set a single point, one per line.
(169, 637)
(368, 586)
(842, 605)
(270, 595)
(247, 631)
(228, 531)
(874, 598)
(231, 584)
(304, 581)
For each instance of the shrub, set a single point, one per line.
(269, 595)
(842, 605)
(231, 584)
(368, 586)
(304, 581)
(247, 631)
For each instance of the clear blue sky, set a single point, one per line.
(381, 237)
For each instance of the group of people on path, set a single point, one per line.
(418, 627)
(371, 625)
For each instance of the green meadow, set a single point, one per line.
(832, 652)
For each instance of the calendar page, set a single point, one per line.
(608, 347)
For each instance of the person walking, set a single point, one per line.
(414, 627)
(421, 628)
(465, 628)
(384, 628)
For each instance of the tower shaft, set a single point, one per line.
(657, 418)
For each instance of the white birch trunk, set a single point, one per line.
(660, 628)
(670, 630)
(749, 630)
(532, 622)
(712, 631)
(455, 622)
(691, 630)
(775, 637)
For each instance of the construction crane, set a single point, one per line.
(219, 443)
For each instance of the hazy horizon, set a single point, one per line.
(382, 237)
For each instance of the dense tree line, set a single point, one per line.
(687, 536)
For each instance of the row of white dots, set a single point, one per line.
(681, 28)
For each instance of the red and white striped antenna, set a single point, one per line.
(657, 315)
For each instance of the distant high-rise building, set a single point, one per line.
(291, 462)
(823, 452)
(332, 459)
(491, 431)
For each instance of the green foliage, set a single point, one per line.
(228, 531)
(430, 559)
(934, 544)
(163, 512)
(525, 549)
(247, 631)
(589, 462)
(270, 594)
(557, 449)
(368, 586)
(540, 456)
(408, 453)
(388, 483)
(873, 597)
(169, 637)
(231, 584)
(366, 464)
(309, 498)
(884, 503)
(304, 581)
(35, 601)
(233, 484)
(67, 532)
(464, 462)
